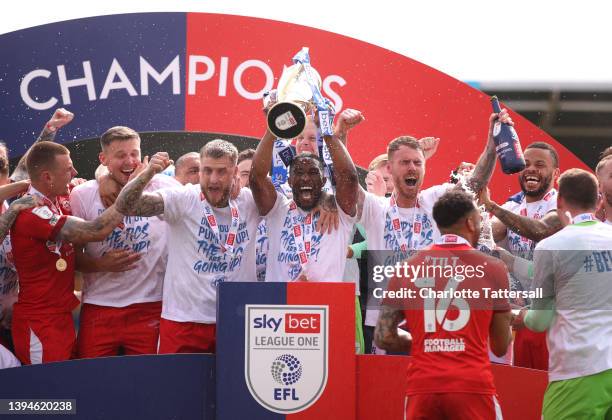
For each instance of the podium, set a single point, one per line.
(284, 350)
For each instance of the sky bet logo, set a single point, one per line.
(294, 323)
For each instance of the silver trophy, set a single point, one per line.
(287, 118)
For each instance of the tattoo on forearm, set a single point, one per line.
(533, 229)
(80, 231)
(483, 171)
(46, 135)
(133, 202)
(8, 218)
(6, 221)
(385, 333)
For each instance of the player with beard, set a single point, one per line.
(211, 239)
(604, 176)
(449, 376)
(403, 222)
(123, 274)
(296, 250)
(537, 201)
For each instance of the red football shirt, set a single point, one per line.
(43, 289)
(450, 333)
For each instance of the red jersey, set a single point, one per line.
(43, 289)
(449, 324)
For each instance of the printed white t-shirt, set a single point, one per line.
(327, 252)
(196, 263)
(377, 220)
(575, 267)
(517, 244)
(144, 235)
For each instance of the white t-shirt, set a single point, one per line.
(7, 359)
(145, 235)
(608, 222)
(195, 262)
(517, 244)
(376, 219)
(261, 250)
(327, 252)
(575, 267)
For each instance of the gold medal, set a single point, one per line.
(61, 264)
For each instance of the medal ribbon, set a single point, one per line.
(396, 224)
(230, 240)
(302, 233)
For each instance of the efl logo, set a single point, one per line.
(417, 227)
(211, 220)
(286, 355)
(303, 257)
(396, 224)
(234, 211)
(230, 238)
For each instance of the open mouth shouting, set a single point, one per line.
(411, 180)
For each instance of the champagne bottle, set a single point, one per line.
(507, 145)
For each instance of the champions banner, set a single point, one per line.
(284, 351)
(207, 72)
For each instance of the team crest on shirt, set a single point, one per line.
(286, 355)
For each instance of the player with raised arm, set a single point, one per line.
(296, 250)
(211, 239)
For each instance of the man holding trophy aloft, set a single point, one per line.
(297, 251)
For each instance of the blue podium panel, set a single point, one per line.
(235, 401)
(131, 387)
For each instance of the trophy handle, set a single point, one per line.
(286, 120)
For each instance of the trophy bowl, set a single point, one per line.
(287, 118)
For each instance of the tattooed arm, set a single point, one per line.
(60, 118)
(80, 231)
(132, 201)
(8, 217)
(386, 335)
(486, 162)
(533, 229)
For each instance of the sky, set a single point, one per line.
(523, 43)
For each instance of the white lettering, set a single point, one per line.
(86, 80)
(238, 78)
(223, 76)
(25, 92)
(123, 83)
(194, 76)
(327, 90)
(147, 70)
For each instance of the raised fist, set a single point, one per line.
(60, 118)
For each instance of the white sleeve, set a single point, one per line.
(176, 202)
(76, 203)
(372, 205)
(429, 196)
(278, 206)
(543, 271)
